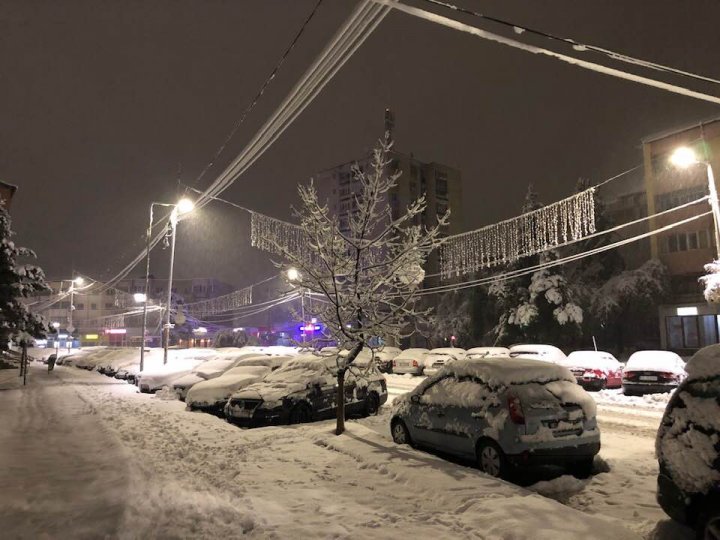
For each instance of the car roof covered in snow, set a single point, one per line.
(488, 351)
(589, 359)
(448, 350)
(654, 360)
(705, 363)
(507, 371)
(537, 349)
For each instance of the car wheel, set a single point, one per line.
(491, 459)
(372, 404)
(300, 414)
(581, 469)
(708, 523)
(400, 433)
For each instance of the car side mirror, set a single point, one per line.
(415, 398)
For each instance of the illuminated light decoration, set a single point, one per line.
(200, 330)
(313, 320)
(570, 219)
(115, 331)
(310, 328)
(687, 311)
(91, 337)
(241, 329)
(41, 342)
(274, 236)
(228, 302)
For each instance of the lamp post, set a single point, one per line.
(294, 275)
(56, 326)
(683, 158)
(181, 207)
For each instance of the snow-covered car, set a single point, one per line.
(688, 447)
(652, 372)
(180, 362)
(503, 414)
(304, 390)
(487, 352)
(545, 353)
(212, 395)
(437, 359)
(280, 350)
(410, 361)
(210, 369)
(595, 370)
(384, 358)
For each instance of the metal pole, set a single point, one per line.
(166, 329)
(147, 297)
(715, 207)
(70, 311)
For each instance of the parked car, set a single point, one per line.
(652, 372)
(305, 390)
(688, 447)
(546, 353)
(502, 414)
(437, 359)
(212, 395)
(180, 362)
(410, 361)
(595, 370)
(487, 352)
(384, 358)
(210, 369)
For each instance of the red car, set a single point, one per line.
(595, 370)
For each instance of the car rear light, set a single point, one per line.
(394, 363)
(630, 375)
(415, 363)
(515, 407)
(668, 376)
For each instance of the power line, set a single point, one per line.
(577, 46)
(260, 92)
(592, 66)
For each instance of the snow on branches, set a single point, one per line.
(711, 282)
(364, 266)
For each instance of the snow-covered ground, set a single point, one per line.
(91, 457)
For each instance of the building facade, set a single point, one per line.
(7, 191)
(687, 321)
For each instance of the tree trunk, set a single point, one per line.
(24, 362)
(340, 428)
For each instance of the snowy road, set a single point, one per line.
(113, 463)
(61, 470)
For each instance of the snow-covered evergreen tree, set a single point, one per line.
(17, 281)
(366, 270)
(452, 316)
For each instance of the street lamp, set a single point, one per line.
(183, 206)
(293, 274)
(683, 157)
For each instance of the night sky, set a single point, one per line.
(103, 104)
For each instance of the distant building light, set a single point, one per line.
(139, 297)
(241, 329)
(62, 336)
(687, 311)
(116, 331)
(313, 320)
(200, 330)
(91, 337)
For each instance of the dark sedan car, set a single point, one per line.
(305, 390)
(688, 447)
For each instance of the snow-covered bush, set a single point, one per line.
(711, 282)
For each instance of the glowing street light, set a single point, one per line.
(139, 297)
(683, 157)
(56, 325)
(79, 280)
(183, 206)
(293, 274)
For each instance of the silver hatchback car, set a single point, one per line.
(503, 412)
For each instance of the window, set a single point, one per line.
(108, 305)
(93, 306)
(691, 332)
(441, 185)
(79, 306)
(686, 241)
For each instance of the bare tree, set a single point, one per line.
(363, 273)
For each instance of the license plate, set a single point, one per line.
(648, 378)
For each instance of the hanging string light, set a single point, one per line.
(221, 304)
(572, 218)
(274, 235)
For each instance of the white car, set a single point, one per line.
(545, 353)
(210, 369)
(410, 361)
(487, 352)
(180, 362)
(652, 372)
(384, 358)
(212, 395)
(437, 359)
